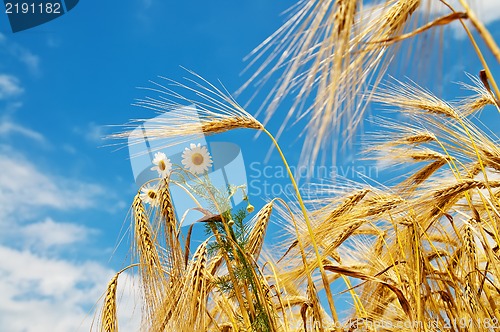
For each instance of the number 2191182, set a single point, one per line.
(32, 8)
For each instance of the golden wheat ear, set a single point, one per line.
(109, 322)
(185, 308)
(170, 225)
(198, 283)
(258, 232)
(196, 107)
(153, 279)
(481, 98)
(108, 319)
(414, 99)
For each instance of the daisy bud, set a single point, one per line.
(230, 222)
(250, 208)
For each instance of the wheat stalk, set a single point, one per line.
(151, 270)
(170, 223)
(230, 123)
(256, 235)
(197, 285)
(418, 139)
(347, 205)
(396, 17)
(211, 111)
(145, 246)
(344, 235)
(108, 316)
(412, 98)
(166, 206)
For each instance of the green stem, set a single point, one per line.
(324, 278)
(238, 294)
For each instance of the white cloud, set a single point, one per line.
(31, 60)
(21, 54)
(44, 235)
(23, 187)
(42, 294)
(69, 148)
(487, 11)
(41, 289)
(8, 127)
(93, 133)
(9, 86)
(53, 41)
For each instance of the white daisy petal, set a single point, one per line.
(196, 159)
(159, 156)
(162, 164)
(149, 194)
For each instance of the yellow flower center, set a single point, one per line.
(197, 158)
(161, 165)
(152, 194)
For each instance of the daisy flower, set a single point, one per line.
(196, 158)
(149, 194)
(163, 164)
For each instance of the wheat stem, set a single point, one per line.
(309, 229)
(476, 47)
(481, 29)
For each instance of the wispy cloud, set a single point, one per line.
(9, 86)
(147, 3)
(488, 10)
(8, 127)
(31, 60)
(25, 189)
(93, 132)
(50, 234)
(21, 54)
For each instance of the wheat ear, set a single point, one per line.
(153, 278)
(258, 232)
(108, 316)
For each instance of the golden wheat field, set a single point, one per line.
(421, 253)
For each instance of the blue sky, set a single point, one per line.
(64, 196)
